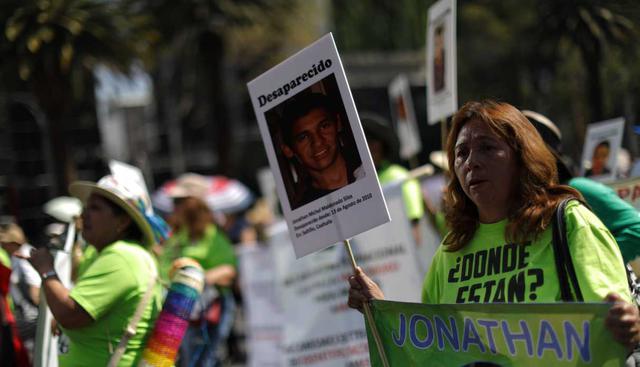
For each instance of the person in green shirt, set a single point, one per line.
(500, 201)
(383, 146)
(95, 313)
(620, 217)
(198, 238)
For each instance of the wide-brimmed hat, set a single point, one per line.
(553, 139)
(189, 185)
(377, 127)
(439, 159)
(12, 233)
(138, 207)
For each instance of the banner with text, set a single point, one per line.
(569, 334)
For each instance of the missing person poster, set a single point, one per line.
(442, 72)
(325, 178)
(404, 116)
(601, 147)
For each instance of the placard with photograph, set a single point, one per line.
(325, 178)
(601, 147)
(442, 71)
(404, 116)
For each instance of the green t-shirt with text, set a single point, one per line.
(110, 290)
(489, 269)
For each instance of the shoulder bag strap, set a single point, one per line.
(564, 263)
(130, 330)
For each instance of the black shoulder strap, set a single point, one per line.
(564, 263)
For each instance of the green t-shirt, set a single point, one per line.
(620, 217)
(411, 192)
(488, 269)
(89, 255)
(5, 259)
(212, 250)
(110, 290)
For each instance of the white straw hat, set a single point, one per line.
(137, 207)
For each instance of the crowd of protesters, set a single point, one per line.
(508, 177)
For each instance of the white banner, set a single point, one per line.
(262, 307)
(319, 328)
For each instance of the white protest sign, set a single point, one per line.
(405, 116)
(262, 307)
(319, 329)
(442, 70)
(316, 148)
(47, 345)
(628, 190)
(601, 146)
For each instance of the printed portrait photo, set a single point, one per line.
(439, 52)
(600, 160)
(314, 143)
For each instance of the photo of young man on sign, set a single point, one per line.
(316, 150)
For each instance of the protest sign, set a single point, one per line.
(263, 312)
(601, 146)
(325, 177)
(628, 190)
(404, 116)
(48, 345)
(442, 73)
(569, 334)
(319, 328)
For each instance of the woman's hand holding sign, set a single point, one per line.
(623, 320)
(362, 289)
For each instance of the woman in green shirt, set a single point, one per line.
(96, 311)
(500, 203)
(197, 237)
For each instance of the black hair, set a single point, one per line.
(604, 143)
(299, 106)
(133, 231)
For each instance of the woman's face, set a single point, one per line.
(485, 166)
(101, 225)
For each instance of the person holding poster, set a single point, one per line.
(96, 314)
(500, 203)
(311, 132)
(383, 145)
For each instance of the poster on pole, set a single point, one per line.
(404, 116)
(601, 147)
(319, 329)
(442, 70)
(325, 178)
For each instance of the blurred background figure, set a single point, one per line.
(24, 286)
(383, 145)
(620, 217)
(196, 236)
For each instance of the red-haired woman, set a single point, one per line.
(500, 205)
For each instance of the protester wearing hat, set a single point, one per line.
(311, 132)
(25, 284)
(118, 287)
(620, 217)
(196, 236)
(383, 145)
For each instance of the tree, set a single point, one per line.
(52, 46)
